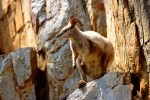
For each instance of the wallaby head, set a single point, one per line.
(67, 31)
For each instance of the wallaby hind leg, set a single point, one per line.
(83, 80)
(107, 62)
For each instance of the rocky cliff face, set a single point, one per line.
(16, 29)
(128, 27)
(46, 72)
(109, 87)
(16, 71)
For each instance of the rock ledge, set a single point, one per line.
(109, 87)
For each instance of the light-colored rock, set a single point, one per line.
(38, 13)
(7, 83)
(109, 87)
(96, 11)
(19, 17)
(16, 30)
(7, 86)
(59, 68)
(128, 28)
(16, 79)
(57, 53)
(132, 50)
(26, 10)
(70, 84)
(22, 65)
(6, 62)
(4, 7)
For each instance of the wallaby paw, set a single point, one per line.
(81, 83)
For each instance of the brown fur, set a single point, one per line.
(92, 53)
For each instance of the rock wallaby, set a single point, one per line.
(92, 53)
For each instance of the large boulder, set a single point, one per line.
(109, 87)
(16, 76)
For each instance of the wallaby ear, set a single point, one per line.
(73, 20)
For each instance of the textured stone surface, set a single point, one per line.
(21, 65)
(128, 26)
(26, 10)
(126, 33)
(6, 62)
(24, 21)
(109, 87)
(15, 75)
(19, 16)
(122, 29)
(7, 84)
(4, 7)
(96, 11)
(16, 29)
(57, 52)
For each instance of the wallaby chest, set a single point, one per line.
(82, 46)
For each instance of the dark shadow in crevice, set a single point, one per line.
(40, 81)
(135, 80)
(41, 86)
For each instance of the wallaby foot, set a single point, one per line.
(81, 83)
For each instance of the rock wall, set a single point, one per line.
(128, 26)
(109, 87)
(16, 28)
(34, 23)
(51, 16)
(16, 75)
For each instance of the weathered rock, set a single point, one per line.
(59, 68)
(16, 79)
(70, 84)
(19, 17)
(16, 30)
(4, 7)
(5, 63)
(7, 84)
(96, 11)
(26, 10)
(128, 26)
(22, 65)
(109, 87)
(57, 15)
